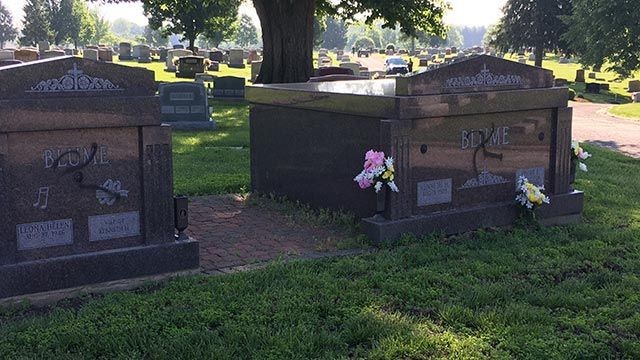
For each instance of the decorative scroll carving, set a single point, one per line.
(75, 81)
(484, 78)
(484, 179)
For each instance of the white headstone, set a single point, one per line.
(7, 55)
(173, 54)
(353, 66)
(90, 54)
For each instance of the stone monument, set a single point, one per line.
(86, 182)
(184, 105)
(189, 66)
(173, 55)
(236, 58)
(460, 134)
(124, 51)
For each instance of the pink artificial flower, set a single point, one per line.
(364, 183)
(373, 159)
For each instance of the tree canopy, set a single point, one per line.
(189, 18)
(36, 23)
(532, 23)
(247, 34)
(606, 32)
(8, 32)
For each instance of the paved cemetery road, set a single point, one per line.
(592, 123)
(374, 63)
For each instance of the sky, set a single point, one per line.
(464, 12)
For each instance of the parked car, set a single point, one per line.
(395, 65)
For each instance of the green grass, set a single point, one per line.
(631, 111)
(214, 162)
(526, 292)
(166, 76)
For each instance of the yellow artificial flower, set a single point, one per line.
(388, 175)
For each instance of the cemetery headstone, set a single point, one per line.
(634, 85)
(355, 67)
(90, 54)
(178, 46)
(68, 52)
(560, 82)
(125, 51)
(214, 66)
(563, 60)
(255, 70)
(460, 135)
(172, 57)
(26, 54)
(43, 46)
(204, 53)
(144, 54)
(105, 54)
(184, 105)
(189, 66)
(163, 54)
(332, 70)
(216, 55)
(423, 62)
(236, 58)
(228, 87)
(52, 53)
(635, 97)
(580, 75)
(86, 185)
(592, 75)
(7, 55)
(592, 88)
(253, 56)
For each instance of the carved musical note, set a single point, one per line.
(43, 192)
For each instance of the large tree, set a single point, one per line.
(532, 23)
(606, 32)
(335, 34)
(189, 18)
(8, 32)
(247, 33)
(287, 28)
(35, 26)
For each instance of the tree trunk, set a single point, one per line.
(539, 54)
(287, 36)
(192, 43)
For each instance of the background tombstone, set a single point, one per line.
(634, 85)
(580, 75)
(178, 46)
(135, 51)
(52, 53)
(105, 54)
(125, 51)
(184, 105)
(26, 54)
(173, 55)
(68, 52)
(90, 54)
(253, 56)
(43, 46)
(355, 67)
(255, 70)
(229, 88)
(189, 66)
(7, 55)
(460, 136)
(236, 58)
(8, 62)
(90, 178)
(163, 54)
(204, 53)
(216, 55)
(144, 54)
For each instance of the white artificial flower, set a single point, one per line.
(393, 187)
(379, 170)
(584, 155)
(388, 162)
(378, 186)
(582, 166)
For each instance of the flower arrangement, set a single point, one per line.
(377, 172)
(578, 154)
(529, 195)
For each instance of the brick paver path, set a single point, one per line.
(234, 233)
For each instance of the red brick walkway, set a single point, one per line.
(234, 233)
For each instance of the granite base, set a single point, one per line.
(237, 66)
(563, 209)
(98, 267)
(192, 125)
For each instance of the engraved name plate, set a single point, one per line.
(44, 234)
(434, 192)
(534, 175)
(114, 226)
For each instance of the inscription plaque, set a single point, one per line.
(434, 192)
(534, 175)
(44, 234)
(114, 226)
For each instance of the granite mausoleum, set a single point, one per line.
(460, 134)
(85, 177)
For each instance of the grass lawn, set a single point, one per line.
(563, 292)
(631, 111)
(214, 162)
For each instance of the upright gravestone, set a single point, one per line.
(256, 66)
(634, 85)
(236, 58)
(229, 88)
(144, 54)
(26, 54)
(172, 57)
(52, 53)
(216, 55)
(163, 54)
(189, 66)
(355, 67)
(461, 135)
(91, 54)
(86, 182)
(178, 46)
(124, 52)
(580, 75)
(135, 51)
(7, 55)
(43, 46)
(184, 105)
(105, 54)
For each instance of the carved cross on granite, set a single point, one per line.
(75, 81)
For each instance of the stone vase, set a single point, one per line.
(381, 201)
(572, 174)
